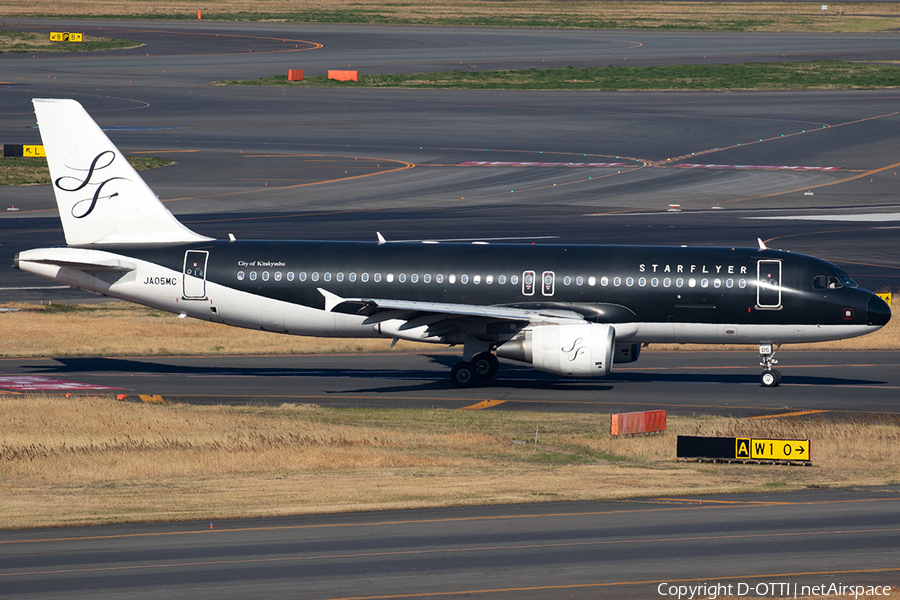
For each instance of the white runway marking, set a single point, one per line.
(869, 218)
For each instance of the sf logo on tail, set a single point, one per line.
(100, 162)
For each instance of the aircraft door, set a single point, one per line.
(195, 274)
(768, 290)
(548, 286)
(528, 283)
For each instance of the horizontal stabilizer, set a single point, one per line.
(78, 259)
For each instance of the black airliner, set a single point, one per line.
(566, 309)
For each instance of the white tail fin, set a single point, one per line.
(101, 198)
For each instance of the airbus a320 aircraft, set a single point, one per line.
(566, 309)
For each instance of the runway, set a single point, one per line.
(761, 545)
(343, 164)
(838, 385)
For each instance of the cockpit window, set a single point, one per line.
(833, 282)
(846, 280)
(827, 282)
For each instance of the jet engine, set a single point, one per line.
(581, 350)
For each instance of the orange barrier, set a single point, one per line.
(344, 75)
(295, 74)
(638, 422)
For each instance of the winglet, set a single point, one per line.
(331, 300)
(762, 244)
(381, 239)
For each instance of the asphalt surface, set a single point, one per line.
(841, 385)
(630, 549)
(270, 162)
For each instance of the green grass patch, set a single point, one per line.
(25, 41)
(823, 74)
(33, 171)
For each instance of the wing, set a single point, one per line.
(445, 322)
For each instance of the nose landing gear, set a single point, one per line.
(770, 377)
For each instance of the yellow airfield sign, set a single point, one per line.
(65, 36)
(34, 151)
(767, 449)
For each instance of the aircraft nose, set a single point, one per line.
(877, 311)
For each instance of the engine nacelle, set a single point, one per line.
(581, 350)
(626, 353)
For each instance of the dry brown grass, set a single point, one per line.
(762, 16)
(124, 329)
(89, 459)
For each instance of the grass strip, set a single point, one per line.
(92, 459)
(694, 16)
(817, 75)
(24, 41)
(33, 171)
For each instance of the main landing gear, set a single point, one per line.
(770, 377)
(483, 365)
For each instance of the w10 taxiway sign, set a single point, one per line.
(764, 449)
(743, 449)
